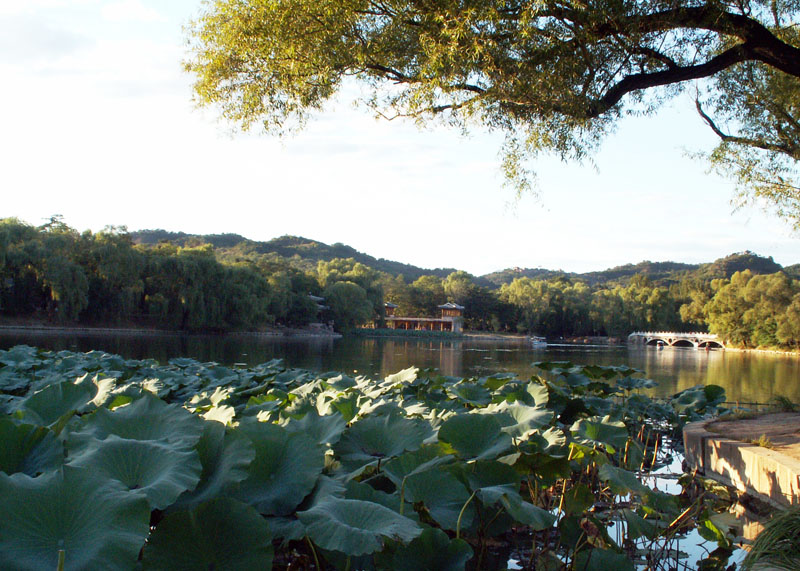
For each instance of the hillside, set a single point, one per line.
(304, 253)
(297, 251)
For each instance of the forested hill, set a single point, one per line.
(660, 273)
(304, 254)
(301, 253)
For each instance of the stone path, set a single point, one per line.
(782, 429)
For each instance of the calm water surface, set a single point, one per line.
(746, 377)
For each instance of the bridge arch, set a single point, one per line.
(682, 343)
(711, 345)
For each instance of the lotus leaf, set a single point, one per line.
(519, 420)
(471, 393)
(225, 455)
(12, 380)
(491, 480)
(418, 461)
(20, 357)
(284, 470)
(56, 401)
(159, 470)
(601, 431)
(360, 491)
(639, 526)
(551, 441)
(633, 383)
(339, 381)
(146, 418)
(474, 436)
(356, 527)
(28, 449)
(623, 482)
(590, 559)
(527, 513)
(402, 377)
(96, 522)
(496, 381)
(325, 430)
(433, 550)
(444, 497)
(374, 438)
(221, 534)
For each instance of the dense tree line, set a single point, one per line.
(55, 273)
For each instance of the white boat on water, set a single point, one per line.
(538, 341)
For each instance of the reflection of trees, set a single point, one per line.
(746, 377)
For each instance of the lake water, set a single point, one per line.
(746, 377)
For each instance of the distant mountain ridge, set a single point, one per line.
(307, 252)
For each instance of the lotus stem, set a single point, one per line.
(402, 495)
(461, 513)
(62, 555)
(314, 553)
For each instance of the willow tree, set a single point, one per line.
(554, 76)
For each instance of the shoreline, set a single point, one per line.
(105, 330)
(317, 332)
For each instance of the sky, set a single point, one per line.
(98, 125)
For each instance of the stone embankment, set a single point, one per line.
(759, 455)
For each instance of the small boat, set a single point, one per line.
(538, 341)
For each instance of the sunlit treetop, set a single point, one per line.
(553, 76)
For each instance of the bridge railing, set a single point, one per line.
(696, 334)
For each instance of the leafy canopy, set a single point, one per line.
(554, 76)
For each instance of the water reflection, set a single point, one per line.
(746, 377)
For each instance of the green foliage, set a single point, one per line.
(349, 305)
(554, 78)
(777, 546)
(335, 468)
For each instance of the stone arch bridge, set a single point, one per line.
(672, 339)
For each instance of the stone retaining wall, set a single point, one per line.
(768, 474)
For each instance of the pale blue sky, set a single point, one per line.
(97, 124)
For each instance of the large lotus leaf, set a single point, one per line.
(360, 491)
(551, 441)
(527, 513)
(96, 522)
(433, 550)
(470, 393)
(222, 534)
(355, 527)
(225, 455)
(325, 430)
(284, 470)
(519, 420)
(55, 401)
(402, 377)
(494, 382)
(696, 400)
(28, 449)
(159, 470)
(444, 497)
(591, 559)
(13, 380)
(633, 383)
(415, 462)
(339, 381)
(382, 436)
(623, 482)
(603, 431)
(492, 480)
(474, 436)
(20, 357)
(146, 418)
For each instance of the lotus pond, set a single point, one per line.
(111, 463)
